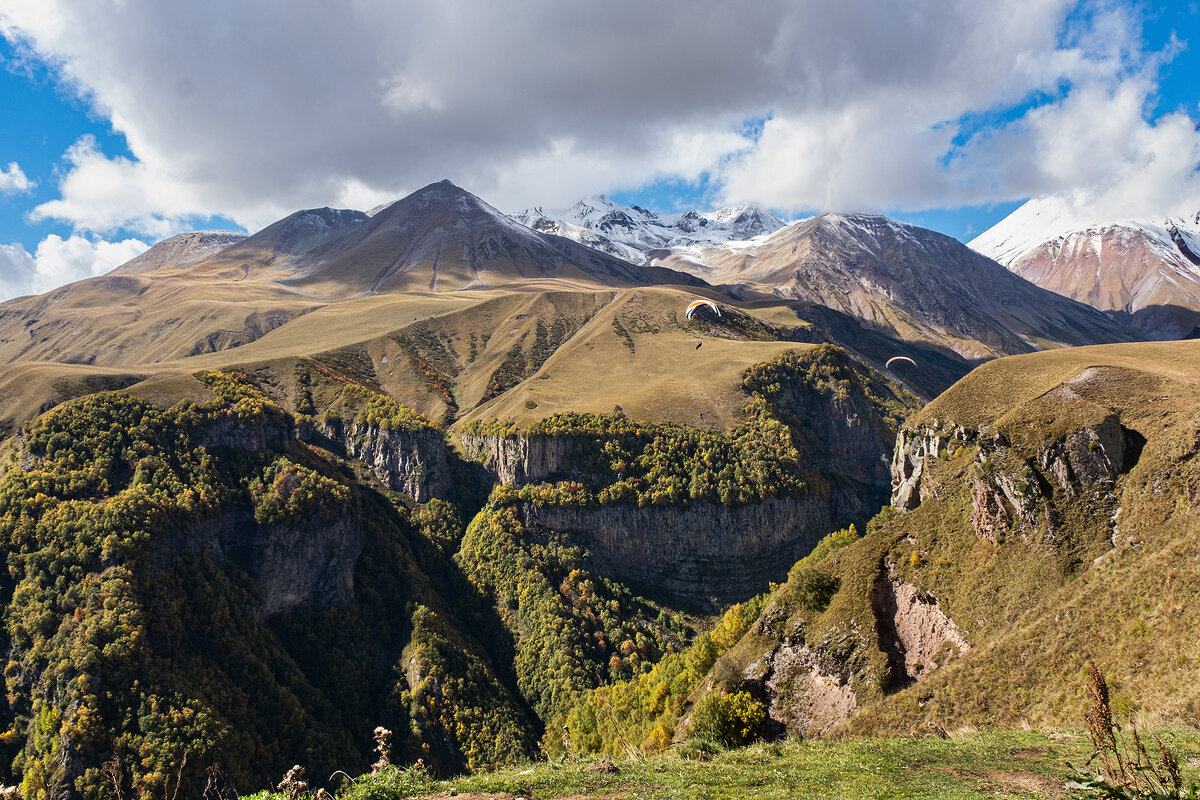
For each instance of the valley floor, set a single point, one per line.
(998, 764)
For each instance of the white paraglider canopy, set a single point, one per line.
(899, 358)
(695, 304)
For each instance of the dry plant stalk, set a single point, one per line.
(1129, 771)
(383, 747)
(112, 770)
(293, 784)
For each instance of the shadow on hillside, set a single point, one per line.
(1162, 323)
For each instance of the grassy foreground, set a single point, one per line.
(1004, 764)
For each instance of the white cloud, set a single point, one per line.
(541, 102)
(58, 261)
(16, 270)
(14, 181)
(107, 194)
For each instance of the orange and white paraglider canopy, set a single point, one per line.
(695, 304)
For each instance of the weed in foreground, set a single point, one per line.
(1128, 771)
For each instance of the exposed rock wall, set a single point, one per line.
(311, 566)
(1013, 490)
(412, 462)
(516, 460)
(703, 552)
(253, 435)
(805, 694)
(914, 447)
(292, 566)
(914, 632)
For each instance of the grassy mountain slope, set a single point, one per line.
(912, 283)
(495, 353)
(1054, 521)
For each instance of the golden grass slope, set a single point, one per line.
(1104, 572)
(993, 390)
(470, 355)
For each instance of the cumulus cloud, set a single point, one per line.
(541, 102)
(13, 180)
(57, 261)
(16, 270)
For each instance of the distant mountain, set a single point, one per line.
(180, 251)
(631, 231)
(910, 282)
(189, 295)
(1144, 273)
(444, 238)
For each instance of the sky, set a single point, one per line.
(127, 121)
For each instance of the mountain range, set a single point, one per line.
(429, 469)
(632, 231)
(849, 276)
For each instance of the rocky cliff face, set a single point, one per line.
(701, 553)
(253, 435)
(1014, 489)
(914, 447)
(312, 566)
(412, 462)
(292, 566)
(913, 630)
(516, 460)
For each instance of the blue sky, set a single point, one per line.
(939, 113)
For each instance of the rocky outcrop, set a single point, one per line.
(703, 552)
(1091, 459)
(914, 633)
(1012, 490)
(914, 448)
(311, 566)
(252, 434)
(412, 462)
(805, 693)
(292, 566)
(515, 460)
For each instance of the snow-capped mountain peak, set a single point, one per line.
(1144, 271)
(632, 231)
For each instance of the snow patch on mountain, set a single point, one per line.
(1052, 223)
(632, 231)
(1143, 272)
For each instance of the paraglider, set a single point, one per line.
(692, 306)
(899, 358)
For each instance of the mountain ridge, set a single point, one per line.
(911, 282)
(1142, 272)
(632, 231)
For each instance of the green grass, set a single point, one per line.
(1004, 764)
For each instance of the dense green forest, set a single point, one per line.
(134, 621)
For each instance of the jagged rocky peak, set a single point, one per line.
(633, 231)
